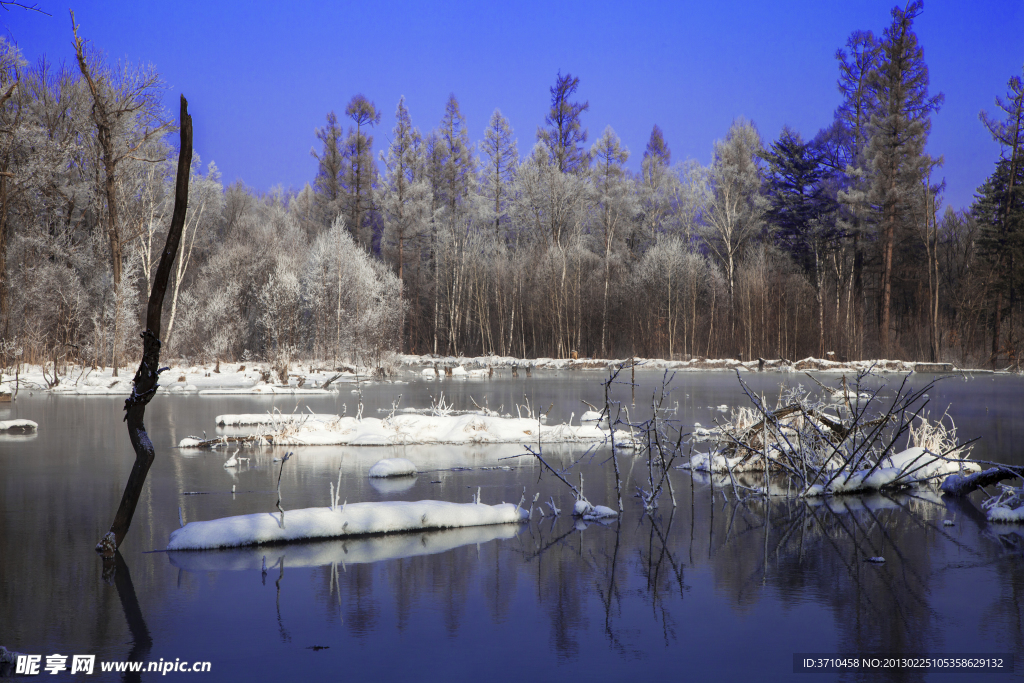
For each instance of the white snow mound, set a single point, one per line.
(409, 428)
(392, 467)
(354, 519)
(18, 426)
(349, 551)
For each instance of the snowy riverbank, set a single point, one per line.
(322, 377)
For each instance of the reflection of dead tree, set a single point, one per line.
(116, 569)
(285, 636)
(653, 567)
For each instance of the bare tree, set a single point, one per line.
(145, 382)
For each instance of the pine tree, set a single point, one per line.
(330, 170)
(1000, 214)
(898, 131)
(402, 195)
(802, 211)
(657, 150)
(565, 135)
(1004, 224)
(360, 169)
(845, 142)
(457, 166)
(500, 161)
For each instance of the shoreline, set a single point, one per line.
(321, 377)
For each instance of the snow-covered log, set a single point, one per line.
(18, 426)
(354, 519)
(352, 551)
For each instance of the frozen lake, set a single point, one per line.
(712, 590)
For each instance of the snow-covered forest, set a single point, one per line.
(427, 239)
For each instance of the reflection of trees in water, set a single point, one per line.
(821, 549)
(116, 571)
(359, 604)
(1004, 616)
(590, 579)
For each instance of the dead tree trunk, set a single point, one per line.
(145, 382)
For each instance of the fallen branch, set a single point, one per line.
(958, 485)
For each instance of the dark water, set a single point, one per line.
(713, 589)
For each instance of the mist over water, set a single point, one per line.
(716, 588)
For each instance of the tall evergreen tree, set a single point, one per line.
(1000, 214)
(898, 129)
(330, 170)
(802, 211)
(402, 195)
(844, 144)
(1004, 224)
(360, 169)
(457, 166)
(565, 135)
(657, 150)
(499, 165)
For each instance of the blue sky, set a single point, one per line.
(260, 77)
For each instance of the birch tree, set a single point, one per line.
(735, 214)
(616, 207)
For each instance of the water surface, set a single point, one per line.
(711, 589)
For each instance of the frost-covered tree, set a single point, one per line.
(657, 151)
(403, 195)
(457, 164)
(126, 113)
(735, 214)
(616, 207)
(673, 281)
(205, 205)
(500, 159)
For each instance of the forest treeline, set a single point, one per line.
(434, 244)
